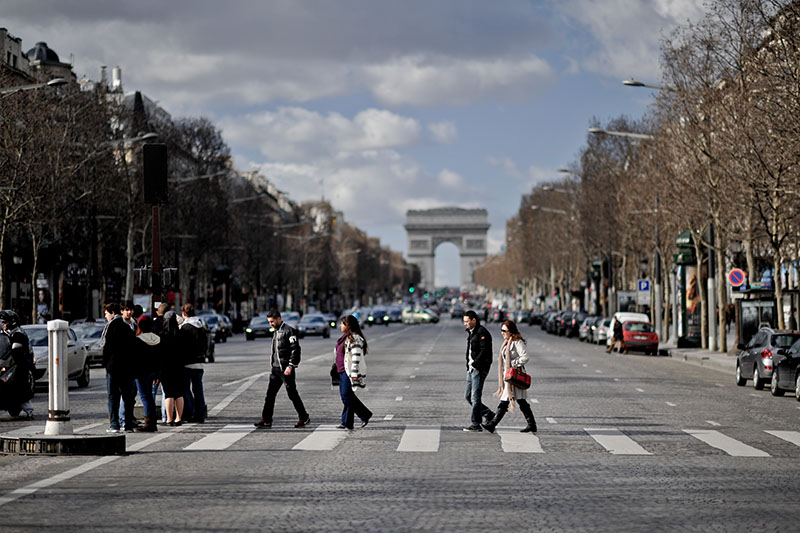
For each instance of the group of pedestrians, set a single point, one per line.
(142, 353)
(349, 371)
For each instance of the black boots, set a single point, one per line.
(498, 416)
(526, 410)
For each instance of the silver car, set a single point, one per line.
(90, 333)
(77, 355)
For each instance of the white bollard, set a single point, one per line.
(58, 421)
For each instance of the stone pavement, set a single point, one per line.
(724, 362)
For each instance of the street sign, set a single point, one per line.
(643, 294)
(736, 277)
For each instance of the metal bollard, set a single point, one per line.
(58, 421)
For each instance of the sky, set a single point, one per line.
(378, 106)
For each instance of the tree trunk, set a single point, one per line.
(722, 293)
(2, 268)
(701, 290)
(129, 262)
(778, 282)
(748, 247)
(36, 244)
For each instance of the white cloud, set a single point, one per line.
(507, 164)
(298, 134)
(448, 178)
(428, 80)
(444, 132)
(628, 32)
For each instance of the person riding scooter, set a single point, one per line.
(18, 389)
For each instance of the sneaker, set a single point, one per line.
(130, 430)
(474, 429)
(341, 426)
(262, 424)
(303, 422)
(113, 430)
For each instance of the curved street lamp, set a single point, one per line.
(56, 82)
(636, 83)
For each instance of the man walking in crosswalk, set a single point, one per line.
(479, 361)
(284, 358)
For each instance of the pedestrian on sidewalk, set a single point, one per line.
(351, 349)
(194, 342)
(284, 359)
(148, 353)
(172, 374)
(513, 354)
(117, 360)
(616, 328)
(479, 361)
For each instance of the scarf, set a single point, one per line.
(503, 364)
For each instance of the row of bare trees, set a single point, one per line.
(716, 156)
(72, 213)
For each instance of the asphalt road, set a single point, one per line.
(625, 443)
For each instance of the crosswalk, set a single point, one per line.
(435, 438)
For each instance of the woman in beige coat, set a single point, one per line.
(513, 354)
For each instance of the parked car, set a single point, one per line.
(378, 316)
(535, 318)
(314, 324)
(755, 361)
(564, 323)
(498, 315)
(395, 314)
(573, 324)
(211, 346)
(585, 329)
(624, 316)
(601, 331)
(639, 336)
(90, 333)
(554, 322)
(77, 356)
(258, 327)
(786, 371)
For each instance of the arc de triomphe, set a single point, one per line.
(427, 229)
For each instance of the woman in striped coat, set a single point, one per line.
(351, 351)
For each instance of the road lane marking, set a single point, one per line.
(789, 436)
(420, 439)
(713, 423)
(584, 365)
(616, 441)
(672, 404)
(416, 368)
(388, 417)
(719, 384)
(512, 441)
(616, 379)
(244, 379)
(399, 399)
(754, 395)
(88, 426)
(235, 394)
(27, 430)
(551, 420)
(639, 390)
(223, 438)
(407, 387)
(412, 376)
(572, 360)
(599, 371)
(534, 400)
(725, 443)
(323, 438)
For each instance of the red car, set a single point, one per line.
(639, 336)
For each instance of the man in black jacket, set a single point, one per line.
(284, 359)
(117, 359)
(479, 361)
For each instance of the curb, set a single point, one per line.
(719, 362)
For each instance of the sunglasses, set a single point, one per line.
(504, 330)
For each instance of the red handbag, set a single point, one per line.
(518, 378)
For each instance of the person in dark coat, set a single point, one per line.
(479, 361)
(117, 360)
(172, 374)
(194, 342)
(148, 353)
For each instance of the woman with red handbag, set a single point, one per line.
(511, 363)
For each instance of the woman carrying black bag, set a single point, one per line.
(351, 349)
(513, 354)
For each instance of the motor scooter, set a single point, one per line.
(17, 384)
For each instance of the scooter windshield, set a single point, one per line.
(5, 345)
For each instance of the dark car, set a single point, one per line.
(378, 316)
(535, 318)
(565, 322)
(220, 329)
(395, 314)
(456, 311)
(786, 371)
(755, 360)
(498, 315)
(258, 327)
(573, 324)
(553, 322)
(314, 324)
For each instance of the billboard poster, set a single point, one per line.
(693, 307)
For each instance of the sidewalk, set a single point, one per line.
(724, 362)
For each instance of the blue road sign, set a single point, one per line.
(644, 285)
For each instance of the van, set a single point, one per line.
(626, 317)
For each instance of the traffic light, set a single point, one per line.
(425, 295)
(411, 289)
(155, 173)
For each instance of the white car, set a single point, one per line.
(77, 355)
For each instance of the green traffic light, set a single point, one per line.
(411, 289)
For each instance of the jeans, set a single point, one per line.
(475, 380)
(352, 405)
(195, 406)
(277, 379)
(120, 388)
(145, 386)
